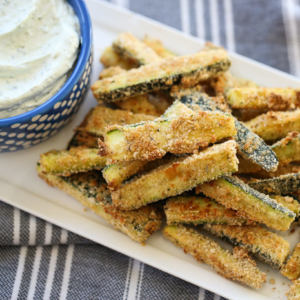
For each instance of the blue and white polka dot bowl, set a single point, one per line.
(38, 125)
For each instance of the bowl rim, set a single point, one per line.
(82, 13)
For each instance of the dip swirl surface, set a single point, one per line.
(39, 44)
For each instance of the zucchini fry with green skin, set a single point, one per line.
(264, 244)
(75, 160)
(178, 176)
(158, 47)
(115, 174)
(110, 58)
(291, 269)
(133, 50)
(281, 170)
(273, 126)
(102, 117)
(90, 190)
(250, 146)
(187, 70)
(283, 185)
(287, 150)
(235, 194)
(153, 139)
(275, 99)
(200, 210)
(237, 266)
(294, 292)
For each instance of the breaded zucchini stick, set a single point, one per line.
(75, 160)
(250, 146)
(200, 210)
(273, 126)
(261, 97)
(237, 266)
(283, 185)
(115, 174)
(227, 81)
(158, 47)
(90, 190)
(102, 117)
(289, 203)
(187, 70)
(287, 150)
(291, 269)
(133, 50)
(264, 244)
(110, 58)
(235, 194)
(111, 71)
(153, 139)
(178, 176)
(294, 292)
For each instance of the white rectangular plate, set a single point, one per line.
(21, 187)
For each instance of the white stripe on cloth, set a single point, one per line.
(229, 25)
(128, 277)
(214, 22)
(35, 271)
(132, 285)
(48, 233)
(199, 12)
(64, 236)
(67, 273)
(51, 271)
(290, 9)
(20, 269)
(185, 16)
(201, 294)
(32, 230)
(17, 224)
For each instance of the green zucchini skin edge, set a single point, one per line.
(159, 83)
(248, 189)
(267, 258)
(283, 185)
(262, 155)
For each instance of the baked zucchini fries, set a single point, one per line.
(75, 160)
(264, 244)
(259, 98)
(237, 266)
(187, 70)
(180, 175)
(292, 268)
(250, 146)
(153, 139)
(90, 190)
(235, 194)
(201, 210)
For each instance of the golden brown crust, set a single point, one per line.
(237, 266)
(183, 134)
(158, 47)
(292, 268)
(103, 117)
(110, 58)
(111, 71)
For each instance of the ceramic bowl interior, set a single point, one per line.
(38, 125)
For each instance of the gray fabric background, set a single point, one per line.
(46, 262)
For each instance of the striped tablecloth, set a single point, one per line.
(42, 261)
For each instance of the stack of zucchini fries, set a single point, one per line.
(188, 141)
